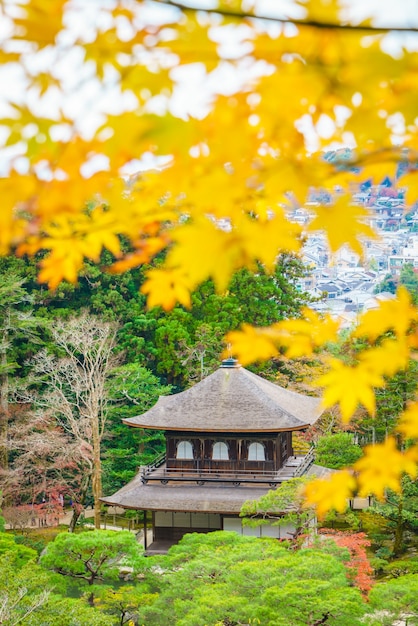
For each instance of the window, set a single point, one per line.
(184, 450)
(220, 451)
(256, 452)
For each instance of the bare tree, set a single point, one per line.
(75, 389)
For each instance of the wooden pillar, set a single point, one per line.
(145, 531)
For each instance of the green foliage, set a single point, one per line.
(392, 399)
(17, 553)
(32, 540)
(17, 327)
(132, 390)
(282, 506)
(378, 564)
(92, 557)
(348, 519)
(409, 278)
(69, 612)
(123, 602)
(389, 283)
(20, 327)
(161, 341)
(400, 511)
(337, 450)
(27, 597)
(401, 567)
(23, 590)
(229, 579)
(2, 520)
(398, 597)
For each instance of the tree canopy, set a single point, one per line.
(93, 557)
(135, 128)
(224, 578)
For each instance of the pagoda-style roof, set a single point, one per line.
(186, 497)
(191, 496)
(232, 399)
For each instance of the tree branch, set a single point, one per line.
(366, 28)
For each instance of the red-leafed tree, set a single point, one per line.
(45, 465)
(359, 570)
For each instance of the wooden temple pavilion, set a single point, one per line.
(228, 440)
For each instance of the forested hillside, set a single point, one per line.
(152, 353)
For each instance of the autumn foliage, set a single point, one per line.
(97, 158)
(359, 570)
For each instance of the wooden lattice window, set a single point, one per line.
(184, 450)
(220, 451)
(256, 452)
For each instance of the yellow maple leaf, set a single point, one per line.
(383, 466)
(44, 81)
(166, 288)
(145, 250)
(17, 193)
(370, 130)
(41, 22)
(194, 37)
(330, 493)
(408, 421)
(323, 11)
(71, 238)
(397, 315)
(388, 358)
(410, 182)
(251, 344)
(343, 223)
(63, 263)
(298, 337)
(263, 237)
(349, 386)
(204, 250)
(100, 232)
(12, 229)
(302, 336)
(376, 170)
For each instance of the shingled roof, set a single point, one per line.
(191, 497)
(186, 497)
(232, 399)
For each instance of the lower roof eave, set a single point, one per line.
(249, 430)
(186, 499)
(177, 510)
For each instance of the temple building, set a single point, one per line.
(228, 440)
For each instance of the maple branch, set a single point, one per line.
(367, 28)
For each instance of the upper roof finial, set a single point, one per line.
(230, 362)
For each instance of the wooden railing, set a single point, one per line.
(209, 472)
(201, 477)
(306, 463)
(156, 462)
